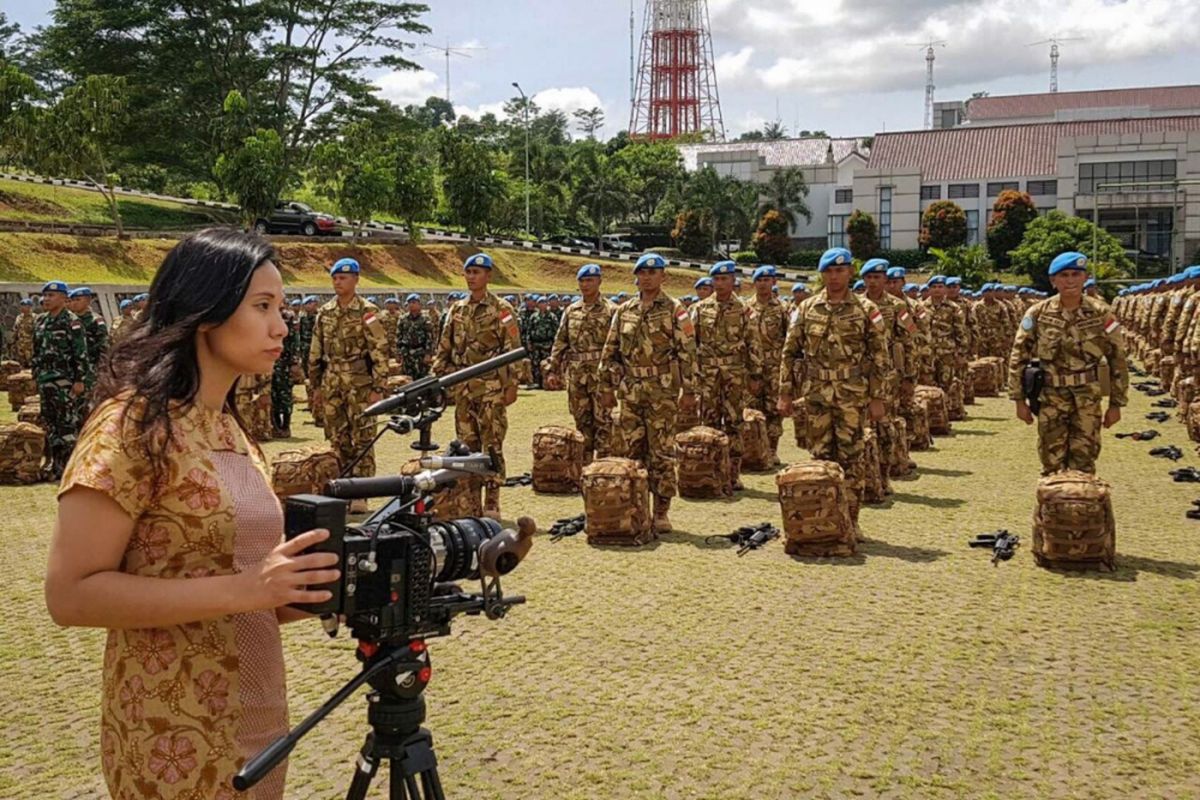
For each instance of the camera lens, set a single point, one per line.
(456, 546)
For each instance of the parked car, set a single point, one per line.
(293, 217)
(617, 243)
(568, 241)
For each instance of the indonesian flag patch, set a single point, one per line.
(906, 321)
(369, 317)
(685, 321)
(1111, 325)
(510, 325)
(877, 317)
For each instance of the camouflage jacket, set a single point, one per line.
(654, 345)
(291, 348)
(901, 331)
(772, 319)
(475, 331)
(59, 349)
(843, 343)
(22, 337)
(946, 328)
(542, 328)
(414, 335)
(579, 342)
(727, 339)
(95, 333)
(349, 339)
(308, 323)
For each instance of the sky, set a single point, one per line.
(849, 67)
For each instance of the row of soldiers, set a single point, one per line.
(1163, 320)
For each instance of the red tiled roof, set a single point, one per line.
(779, 153)
(1000, 151)
(1024, 106)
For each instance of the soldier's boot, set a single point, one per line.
(491, 502)
(662, 523)
(774, 441)
(855, 502)
(735, 475)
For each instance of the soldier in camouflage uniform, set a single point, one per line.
(282, 378)
(61, 370)
(95, 334)
(1070, 335)
(21, 347)
(577, 349)
(902, 377)
(649, 363)
(703, 287)
(947, 334)
(479, 327)
(414, 340)
(729, 361)
(542, 330)
(348, 365)
(307, 324)
(841, 342)
(390, 318)
(772, 318)
(119, 326)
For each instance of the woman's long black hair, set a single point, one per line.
(201, 281)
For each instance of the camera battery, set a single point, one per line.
(305, 512)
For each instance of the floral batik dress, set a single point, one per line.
(183, 707)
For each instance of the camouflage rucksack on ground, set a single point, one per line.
(968, 391)
(616, 500)
(816, 510)
(524, 372)
(984, 378)
(31, 412)
(7, 368)
(22, 447)
(756, 444)
(304, 470)
(557, 459)
(956, 410)
(873, 486)
(21, 386)
(686, 420)
(1192, 418)
(1185, 392)
(545, 372)
(939, 417)
(463, 499)
(704, 466)
(1073, 525)
(919, 437)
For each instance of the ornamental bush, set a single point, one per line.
(863, 235)
(1012, 213)
(772, 242)
(943, 225)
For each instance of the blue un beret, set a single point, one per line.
(56, 286)
(649, 261)
(295, 303)
(1069, 260)
(310, 298)
(82, 291)
(121, 306)
(344, 266)
(799, 286)
(391, 299)
(1091, 282)
(481, 260)
(588, 271)
(937, 280)
(874, 265)
(706, 281)
(510, 299)
(954, 280)
(413, 297)
(1191, 273)
(766, 271)
(897, 272)
(141, 298)
(857, 285)
(835, 257)
(722, 268)
(373, 299)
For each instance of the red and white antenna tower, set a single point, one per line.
(677, 79)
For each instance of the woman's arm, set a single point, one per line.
(86, 587)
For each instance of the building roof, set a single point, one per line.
(1000, 151)
(779, 153)
(1024, 106)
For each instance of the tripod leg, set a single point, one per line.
(432, 784)
(364, 771)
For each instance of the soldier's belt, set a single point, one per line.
(840, 374)
(585, 357)
(651, 371)
(1074, 378)
(349, 365)
(722, 361)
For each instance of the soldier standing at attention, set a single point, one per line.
(282, 377)
(391, 320)
(703, 287)
(347, 365)
(840, 337)
(772, 333)
(944, 328)
(649, 363)
(1069, 334)
(902, 377)
(21, 350)
(729, 362)
(542, 330)
(477, 328)
(414, 339)
(126, 316)
(95, 334)
(578, 346)
(60, 369)
(308, 323)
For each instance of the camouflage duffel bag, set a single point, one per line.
(704, 466)
(21, 386)
(985, 379)
(397, 382)
(1073, 524)
(462, 499)
(546, 371)
(7, 367)
(816, 510)
(873, 487)
(685, 420)
(968, 389)
(937, 407)
(304, 470)
(616, 502)
(22, 447)
(1192, 419)
(919, 437)
(756, 444)
(31, 412)
(557, 460)
(800, 423)
(956, 410)
(1000, 367)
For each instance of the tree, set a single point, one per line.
(731, 203)
(774, 131)
(18, 92)
(969, 263)
(944, 225)
(472, 184)
(1012, 212)
(255, 173)
(414, 175)
(863, 235)
(1055, 233)
(693, 234)
(654, 170)
(785, 193)
(601, 189)
(771, 242)
(589, 121)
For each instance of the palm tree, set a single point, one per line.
(601, 190)
(785, 193)
(774, 131)
(730, 203)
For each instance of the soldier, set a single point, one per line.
(1069, 334)
(60, 369)
(841, 340)
(22, 335)
(772, 332)
(391, 320)
(479, 327)
(95, 334)
(704, 288)
(139, 304)
(282, 377)
(543, 327)
(901, 330)
(414, 339)
(308, 323)
(649, 364)
(121, 323)
(945, 334)
(578, 346)
(348, 366)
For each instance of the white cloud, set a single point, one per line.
(567, 99)
(731, 67)
(475, 112)
(405, 87)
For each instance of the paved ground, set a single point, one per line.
(916, 670)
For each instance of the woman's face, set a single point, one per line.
(251, 340)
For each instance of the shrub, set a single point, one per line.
(693, 234)
(943, 225)
(1056, 233)
(863, 235)
(969, 263)
(746, 257)
(909, 259)
(1013, 211)
(771, 241)
(805, 258)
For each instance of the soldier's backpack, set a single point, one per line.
(800, 423)
(1073, 524)
(816, 510)
(956, 410)
(616, 502)
(919, 437)
(557, 460)
(984, 378)
(21, 386)
(7, 367)
(899, 465)
(756, 443)
(545, 372)
(303, 470)
(524, 372)
(1192, 419)
(704, 466)
(22, 447)
(462, 499)
(873, 487)
(31, 412)
(968, 391)
(938, 412)
(1185, 392)
(686, 420)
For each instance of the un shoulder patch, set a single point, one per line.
(1027, 324)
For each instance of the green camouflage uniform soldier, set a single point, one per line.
(348, 364)
(308, 324)
(21, 348)
(282, 377)
(390, 317)
(60, 369)
(900, 328)
(542, 330)
(414, 339)
(772, 319)
(577, 349)
(840, 339)
(477, 328)
(95, 334)
(1070, 335)
(649, 363)
(729, 362)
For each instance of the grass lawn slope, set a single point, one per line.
(33, 202)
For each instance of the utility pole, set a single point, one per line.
(525, 100)
(448, 51)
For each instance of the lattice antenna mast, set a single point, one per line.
(676, 87)
(929, 58)
(1054, 41)
(448, 51)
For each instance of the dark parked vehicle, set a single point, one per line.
(569, 241)
(295, 217)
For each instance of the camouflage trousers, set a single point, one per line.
(645, 430)
(592, 419)
(282, 400)
(60, 411)
(345, 397)
(538, 353)
(414, 363)
(724, 396)
(767, 401)
(1069, 428)
(22, 353)
(835, 429)
(943, 371)
(481, 423)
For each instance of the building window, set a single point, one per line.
(973, 226)
(837, 229)
(1038, 188)
(958, 190)
(885, 218)
(996, 187)
(931, 192)
(843, 195)
(1093, 175)
(949, 117)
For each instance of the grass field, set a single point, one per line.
(916, 670)
(34, 202)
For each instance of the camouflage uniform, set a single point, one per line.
(252, 397)
(945, 330)
(21, 349)
(543, 327)
(59, 362)
(391, 320)
(772, 318)
(649, 357)
(1070, 346)
(281, 378)
(476, 331)
(901, 378)
(579, 346)
(348, 361)
(414, 344)
(304, 338)
(95, 335)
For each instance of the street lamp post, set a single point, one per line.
(517, 86)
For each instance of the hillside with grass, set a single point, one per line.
(33, 202)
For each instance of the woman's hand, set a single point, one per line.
(283, 576)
